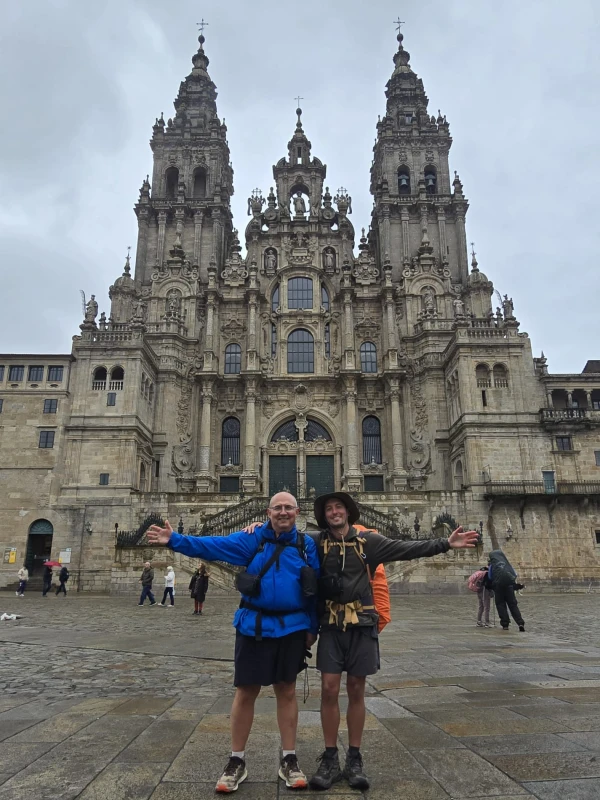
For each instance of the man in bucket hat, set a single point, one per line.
(348, 633)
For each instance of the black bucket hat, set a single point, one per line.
(353, 512)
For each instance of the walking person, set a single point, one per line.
(169, 586)
(503, 580)
(199, 587)
(275, 623)
(23, 576)
(479, 582)
(63, 577)
(47, 580)
(146, 579)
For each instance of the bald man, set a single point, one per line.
(275, 623)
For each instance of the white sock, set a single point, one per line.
(238, 753)
(288, 753)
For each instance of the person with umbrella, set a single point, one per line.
(47, 577)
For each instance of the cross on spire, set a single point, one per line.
(297, 99)
(473, 249)
(399, 23)
(202, 25)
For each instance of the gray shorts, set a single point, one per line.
(355, 651)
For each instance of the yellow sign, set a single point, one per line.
(10, 555)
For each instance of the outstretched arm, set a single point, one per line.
(382, 550)
(237, 548)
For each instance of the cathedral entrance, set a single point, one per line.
(319, 475)
(39, 545)
(282, 475)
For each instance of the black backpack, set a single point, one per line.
(503, 573)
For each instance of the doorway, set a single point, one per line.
(39, 546)
(282, 475)
(319, 475)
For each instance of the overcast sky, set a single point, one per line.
(82, 83)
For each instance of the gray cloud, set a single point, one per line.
(81, 86)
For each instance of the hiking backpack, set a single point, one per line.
(475, 581)
(503, 573)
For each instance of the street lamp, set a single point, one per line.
(180, 526)
(416, 526)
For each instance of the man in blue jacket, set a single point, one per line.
(274, 624)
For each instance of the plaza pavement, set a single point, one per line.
(102, 699)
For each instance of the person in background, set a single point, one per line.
(23, 576)
(63, 577)
(484, 595)
(199, 587)
(146, 579)
(169, 586)
(47, 585)
(503, 580)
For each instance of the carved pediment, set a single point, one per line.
(233, 329)
(366, 329)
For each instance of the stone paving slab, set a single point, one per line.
(99, 698)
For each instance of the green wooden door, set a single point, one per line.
(319, 474)
(282, 474)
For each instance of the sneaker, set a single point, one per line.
(354, 772)
(487, 625)
(21, 595)
(329, 771)
(154, 603)
(479, 624)
(160, 604)
(17, 594)
(234, 773)
(140, 604)
(522, 628)
(290, 772)
(505, 627)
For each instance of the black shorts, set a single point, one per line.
(270, 660)
(355, 651)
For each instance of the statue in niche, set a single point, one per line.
(299, 205)
(429, 301)
(459, 307)
(270, 261)
(329, 260)
(91, 309)
(173, 303)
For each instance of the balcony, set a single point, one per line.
(522, 489)
(553, 417)
(98, 386)
(115, 386)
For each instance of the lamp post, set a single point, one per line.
(416, 526)
(180, 526)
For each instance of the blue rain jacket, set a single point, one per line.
(280, 588)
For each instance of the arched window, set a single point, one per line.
(117, 378)
(371, 430)
(500, 376)
(368, 357)
(275, 299)
(482, 374)
(99, 378)
(142, 477)
(458, 475)
(199, 190)
(403, 180)
(41, 526)
(324, 298)
(314, 430)
(300, 293)
(233, 359)
(230, 441)
(301, 352)
(430, 180)
(287, 431)
(171, 182)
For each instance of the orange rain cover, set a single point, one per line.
(381, 590)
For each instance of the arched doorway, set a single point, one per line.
(39, 545)
(301, 459)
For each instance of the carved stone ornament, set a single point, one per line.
(235, 272)
(302, 398)
(174, 269)
(366, 329)
(364, 271)
(233, 329)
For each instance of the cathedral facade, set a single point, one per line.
(382, 363)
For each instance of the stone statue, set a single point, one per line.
(299, 205)
(459, 307)
(429, 301)
(328, 259)
(498, 316)
(509, 309)
(270, 261)
(91, 309)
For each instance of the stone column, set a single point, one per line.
(569, 399)
(352, 461)
(250, 475)
(198, 218)
(399, 473)
(142, 242)
(205, 480)
(252, 296)
(385, 224)
(217, 234)
(441, 215)
(461, 238)
(549, 400)
(405, 216)
(160, 242)
(589, 400)
(301, 423)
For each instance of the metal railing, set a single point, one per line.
(136, 538)
(524, 488)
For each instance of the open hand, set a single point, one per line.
(157, 535)
(252, 527)
(460, 538)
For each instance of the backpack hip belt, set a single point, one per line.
(266, 612)
(350, 611)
